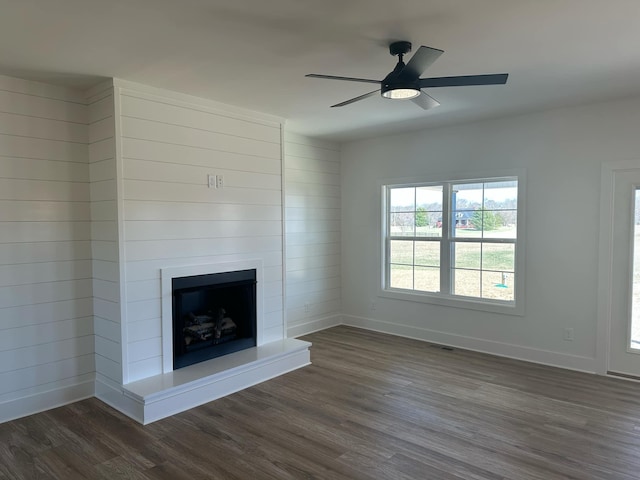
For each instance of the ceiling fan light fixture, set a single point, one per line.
(401, 93)
(404, 82)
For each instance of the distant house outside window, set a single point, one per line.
(454, 242)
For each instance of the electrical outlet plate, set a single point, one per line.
(219, 181)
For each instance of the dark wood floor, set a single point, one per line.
(371, 406)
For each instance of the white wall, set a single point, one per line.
(312, 223)
(169, 144)
(46, 324)
(562, 152)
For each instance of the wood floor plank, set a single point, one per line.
(371, 406)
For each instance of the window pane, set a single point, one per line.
(401, 224)
(401, 276)
(498, 256)
(403, 199)
(466, 282)
(401, 251)
(427, 279)
(466, 255)
(466, 196)
(428, 254)
(429, 198)
(494, 224)
(497, 286)
(506, 224)
(484, 220)
(463, 225)
(501, 195)
(465, 199)
(428, 224)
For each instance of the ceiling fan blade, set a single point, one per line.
(348, 79)
(420, 61)
(463, 81)
(361, 97)
(425, 101)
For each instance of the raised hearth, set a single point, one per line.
(163, 395)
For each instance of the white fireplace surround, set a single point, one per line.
(169, 273)
(171, 392)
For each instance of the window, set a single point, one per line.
(455, 241)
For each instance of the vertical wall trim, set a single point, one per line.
(121, 238)
(285, 317)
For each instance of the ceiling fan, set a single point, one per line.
(404, 82)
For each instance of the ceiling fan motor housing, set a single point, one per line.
(399, 48)
(394, 86)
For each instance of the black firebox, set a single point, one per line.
(213, 315)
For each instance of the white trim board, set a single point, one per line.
(112, 394)
(41, 401)
(314, 326)
(517, 352)
(145, 404)
(490, 347)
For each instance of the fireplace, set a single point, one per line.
(213, 315)
(206, 294)
(210, 310)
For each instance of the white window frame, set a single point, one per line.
(447, 299)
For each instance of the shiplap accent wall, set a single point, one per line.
(103, 174)
(100, 190)
(46, 324)
(312, 223)
(170, 143)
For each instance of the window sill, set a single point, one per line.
(504, 308)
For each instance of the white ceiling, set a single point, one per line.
(255, 53)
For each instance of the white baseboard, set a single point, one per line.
(46, 400)
(151, 407)
(518, 352)
(314, 326)
(113, 395)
